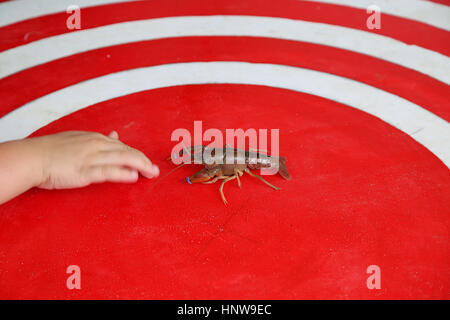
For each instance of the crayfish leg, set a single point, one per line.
(221, 188)
(262, 179)
(238, 173)
(215, 179)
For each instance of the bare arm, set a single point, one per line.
(69, 159)
(20, 168)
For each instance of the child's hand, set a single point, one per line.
(68, 160)
(76, 159)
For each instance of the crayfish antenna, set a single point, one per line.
(176, 168)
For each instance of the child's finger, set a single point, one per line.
(111, 173)
(128, 157)
(114, 135)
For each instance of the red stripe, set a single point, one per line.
(445, 2)
(405, 30)
(36, 82)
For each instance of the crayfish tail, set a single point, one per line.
(283, 169)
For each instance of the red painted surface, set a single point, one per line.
(362, 193)
(446, 2)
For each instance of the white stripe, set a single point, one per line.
(19, 10)
(432, 131)
(423, 11)
(38, 52)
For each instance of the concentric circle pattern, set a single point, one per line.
(363, 118)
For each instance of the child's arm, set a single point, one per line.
(68, 160)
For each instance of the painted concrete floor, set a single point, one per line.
(362, 117)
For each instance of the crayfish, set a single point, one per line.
(227, 164)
